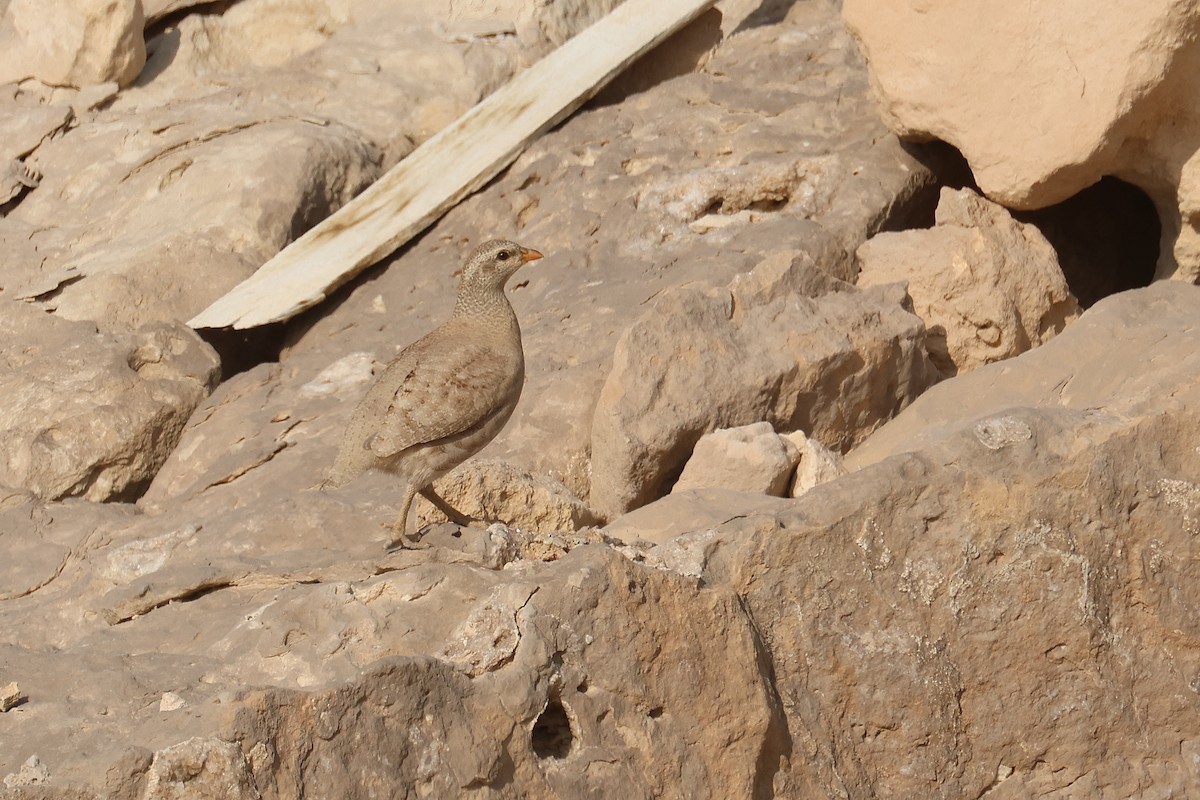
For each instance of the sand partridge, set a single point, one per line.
(447, 394)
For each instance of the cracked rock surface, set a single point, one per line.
(971, 585)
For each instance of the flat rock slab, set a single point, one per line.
(1128, 354)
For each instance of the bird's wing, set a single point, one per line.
(439, 393)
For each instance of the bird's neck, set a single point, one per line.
(485, 305)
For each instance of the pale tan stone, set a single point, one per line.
(1044, 100)
(837, 366)
(497, 490)
(83, 42)
(750, 458)
(987, 286)
(818, 464)
(90, 414)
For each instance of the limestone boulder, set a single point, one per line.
(837, 367)
(750, 458)
(987, 286)
(1045, 101)
(148, 238)
(463, 676)
(1128, 354)
(90, 414)
(84, 42)
(496, 491)
(969, 611)
(817, 463)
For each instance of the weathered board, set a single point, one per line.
(449, 166)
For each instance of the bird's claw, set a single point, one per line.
(402, 541)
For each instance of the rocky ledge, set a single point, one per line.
(842, 468)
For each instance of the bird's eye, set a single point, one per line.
(503, 255)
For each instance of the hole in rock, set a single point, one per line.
(918, 209)
(655, 712)
(552, 735)
(242, 350)
(1106, 236)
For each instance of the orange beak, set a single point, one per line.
(528, 255)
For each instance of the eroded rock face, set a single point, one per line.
(89, 414)
(1044, 102)
(836, 367)
(987, 286)
(975, 607)
(85, 42)
(997, 600)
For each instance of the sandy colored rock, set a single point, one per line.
(91, 414)
(86, 42)
(10, 696)
(818, 464)
(32, 773)
(694, 511)
(837, 366)
(498, 491)
(266, 432)
(212, 769)
(970, 525)
(987, 286)
(222, 153)
(1103, 96)
(146, 240)
(1108, 360)
(750, 458)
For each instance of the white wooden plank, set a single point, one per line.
(447, 167)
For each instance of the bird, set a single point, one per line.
(446, 395)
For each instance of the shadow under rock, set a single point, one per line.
(681, 54)
(769, 12)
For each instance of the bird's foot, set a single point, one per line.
(402, 541)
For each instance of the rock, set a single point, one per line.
(90, 414)
(1149, 331)
(88, 42)
(10, 696)
(170, 701)
(606, 261)
(498, 491)
(685, 513)
(343, 661)
(751, 458)
(202, 768)
(837, 366)
(817, 464)
(493, 662)
(987, 286)
(32, 773)
(148, 238)
(1012, 567)
(1106, 97)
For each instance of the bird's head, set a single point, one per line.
(493, 263)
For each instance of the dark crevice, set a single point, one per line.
(1107, 238)
(552, 735)
(240, 350)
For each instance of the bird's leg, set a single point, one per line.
(399, 527)
(452, 513)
